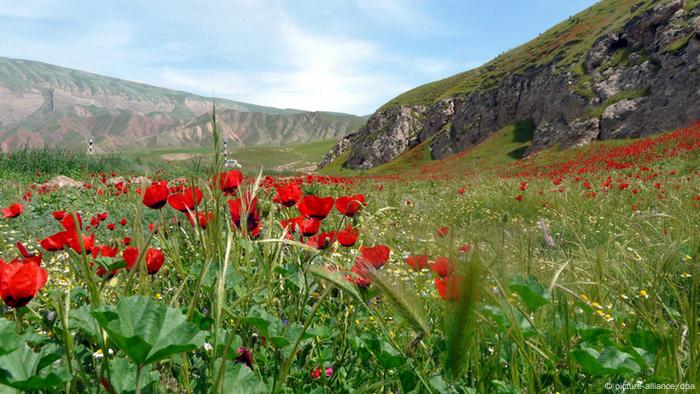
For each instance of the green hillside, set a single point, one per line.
(564, 45)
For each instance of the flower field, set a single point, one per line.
(572, 271)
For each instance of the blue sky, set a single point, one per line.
(349, 56)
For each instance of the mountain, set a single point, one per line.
(46, 104)
(621, 68)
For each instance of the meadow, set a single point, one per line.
(568, 272)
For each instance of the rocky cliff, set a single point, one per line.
(619, 69)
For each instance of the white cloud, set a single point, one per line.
(253, 51)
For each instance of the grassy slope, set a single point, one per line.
(295, 157)
(564, 45)
(504, 147)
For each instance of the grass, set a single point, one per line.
(563, 45)
(45, 162)
(574, 270)
(505, 146)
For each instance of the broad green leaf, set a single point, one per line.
(609, 361)
(82, 320)
(531, 292)
(238, 378)
(389, 357)
(9, 340)
(123, 376)
(148, 331)
(25, 370)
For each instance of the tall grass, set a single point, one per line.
(48, 161)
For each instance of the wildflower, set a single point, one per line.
(156, 195)
(643, 293)
(244, 357)
(417, 262)
(315, 207)
(12, 211)
(310, 227)
(21, 282)
(229, 181)
(443, 231)
(349, 205)
(442, 267)
(154, 258)
(288, 195)
(376, 256)
(187, 200)
(348, 236)
(449, 286)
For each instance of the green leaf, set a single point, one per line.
(531, 292)
(610, 361)
(147, 331)
(81, 319)
(9, 340)
(25, 370)
(238, 378)
(389, 357)
(123, 376)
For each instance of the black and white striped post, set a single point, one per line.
(90, 147)
(225, 149)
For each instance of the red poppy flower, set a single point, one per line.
(58, 215)
(315, 207)
(186, 200)
(154, 258)
(442, 231)
(417, 262)
(442, 266)
(519, 197)
(449, 287)
(322, 241)
(26, 256)
(123, 222)
(111, 226)
(292, 224)
(244, 357)
(361, 277)
(20, 282)
(12, 211)
(200, 217)
(229, 181)
(376, 256)
(349, 205)
(347, 237)
(156, 195)
(54, 242)
(465, 248)
(287, 195)
(71, 239)
(104, 251)
(245, 207)
(69, 223)
(309, 227)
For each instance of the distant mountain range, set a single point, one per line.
(43, 104)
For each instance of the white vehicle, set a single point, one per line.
(232, 163)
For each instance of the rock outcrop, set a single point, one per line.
(639, 79)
